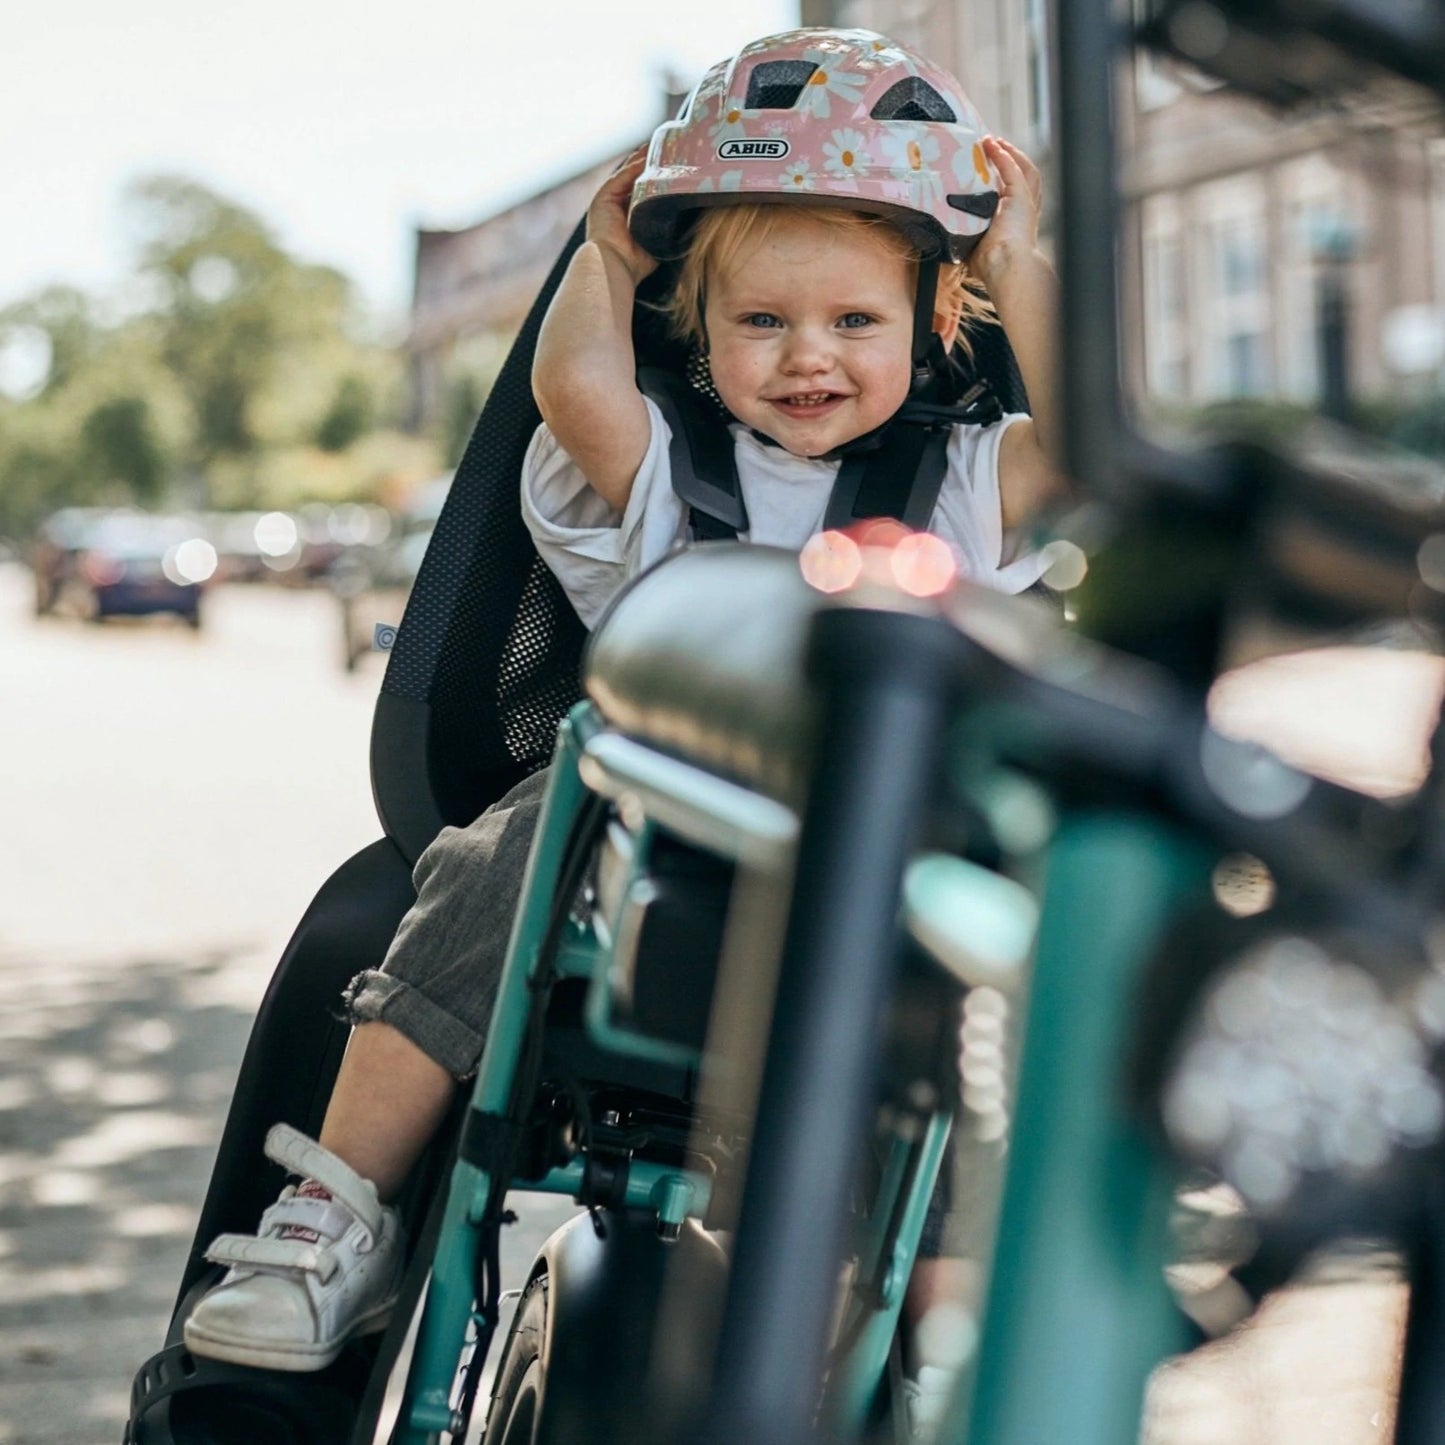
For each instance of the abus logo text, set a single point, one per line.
(752, 150)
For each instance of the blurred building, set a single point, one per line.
(473, 286)
(1246, 217)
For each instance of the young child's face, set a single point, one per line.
(810, 334)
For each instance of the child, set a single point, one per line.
(807, 291)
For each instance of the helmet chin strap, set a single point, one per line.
(926, 347)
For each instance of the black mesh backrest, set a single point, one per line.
(486, 659)
(993, 361)
(485, 662)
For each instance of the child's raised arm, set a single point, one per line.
(583, 372)
(1024, 290)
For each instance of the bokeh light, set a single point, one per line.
(276, 534)
(923, 565)
(190, 562)
(831, 561)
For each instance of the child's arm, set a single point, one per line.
(1024, 291)
(583, 371)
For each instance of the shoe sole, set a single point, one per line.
(298, 1359)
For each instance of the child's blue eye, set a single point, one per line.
(763, 319)
(854, 319)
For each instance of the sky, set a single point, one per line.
(343, 125)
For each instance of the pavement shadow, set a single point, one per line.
(115, 1079)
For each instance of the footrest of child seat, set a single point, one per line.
(178, 1398)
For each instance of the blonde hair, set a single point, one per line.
(723, 232)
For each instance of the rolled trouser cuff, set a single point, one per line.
(377, 997)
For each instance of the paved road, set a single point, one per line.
(170, 804)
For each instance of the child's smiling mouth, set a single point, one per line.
(807, 403)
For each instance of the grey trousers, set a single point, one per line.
(438, 982)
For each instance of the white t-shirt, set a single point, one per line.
(594, 549)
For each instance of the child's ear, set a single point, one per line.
(946, 322)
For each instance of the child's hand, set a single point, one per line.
(1014, 230)
(607, 217)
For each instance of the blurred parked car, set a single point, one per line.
(296, 548)
(55, 553)
(98, 563)
(373, 581)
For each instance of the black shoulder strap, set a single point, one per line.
(704, 468)
(901, 478)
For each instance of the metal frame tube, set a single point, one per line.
(426, 1408)
(1078, 1310)
(1084, 142)
(885, 684)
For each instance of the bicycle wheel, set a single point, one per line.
(517, 1395)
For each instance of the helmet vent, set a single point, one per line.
(777, 84)
(912, 99)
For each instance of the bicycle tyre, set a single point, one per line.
(517, 1395)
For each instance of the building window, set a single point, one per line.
(1239, 358)
(1246, 364)
(1166, 338)
(1241, 259)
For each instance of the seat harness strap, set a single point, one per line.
(901, 479)
(897, 473)
(704, 470)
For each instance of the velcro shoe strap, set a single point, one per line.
(322, 1216)
(284, 1255)
(294, 1151)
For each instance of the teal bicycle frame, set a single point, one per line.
(1078, 1309)
(656, 792)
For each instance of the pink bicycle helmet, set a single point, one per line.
(838, 117)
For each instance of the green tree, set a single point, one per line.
(464, 397)
(229, 300)
(120, 444)
(64, 317)
(230, 372)
(351, 415)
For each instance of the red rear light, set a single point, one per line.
(101, 568)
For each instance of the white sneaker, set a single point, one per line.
(926, 1397)
(317, 1271)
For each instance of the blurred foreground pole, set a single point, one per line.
(884, 682)
(1087, 32)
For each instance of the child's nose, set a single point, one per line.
(806, 353)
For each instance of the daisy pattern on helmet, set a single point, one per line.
(727, 181)
(881, 48)
(970, 165)
(913, 157)
(846, 153)
(829, 78)
(798, 177)
(729, 125)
